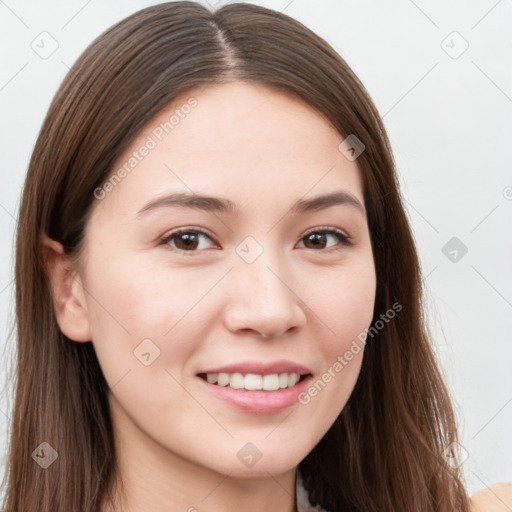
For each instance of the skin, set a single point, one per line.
(177, 443)
(496, 498)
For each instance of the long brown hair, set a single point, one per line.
(386, 450)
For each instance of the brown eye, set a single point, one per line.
(186, 240)
(320, 239)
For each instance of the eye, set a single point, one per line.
(318, 239)
(187, 240)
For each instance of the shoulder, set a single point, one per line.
(496, 498)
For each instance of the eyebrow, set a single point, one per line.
(221, 205)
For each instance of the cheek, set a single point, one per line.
(148, 321)
(134, 298)
(346, 309)
(344, 302)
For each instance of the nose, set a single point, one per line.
(264, 299)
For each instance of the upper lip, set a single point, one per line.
(261, 368)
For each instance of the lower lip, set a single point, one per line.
(258, 402)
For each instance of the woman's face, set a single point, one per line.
(212, 237)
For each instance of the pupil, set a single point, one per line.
(315, 238)
(189, 239)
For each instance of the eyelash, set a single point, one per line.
(344, 239)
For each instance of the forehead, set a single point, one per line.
(240, 140)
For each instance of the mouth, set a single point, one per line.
(255, 387)
(254, 381)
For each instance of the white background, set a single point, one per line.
(449, 118)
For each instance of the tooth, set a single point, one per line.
(271, 382)
(236, 380)
(283, 380)
(223, 379)
(252, 381)
(293, 378)
(211, 378)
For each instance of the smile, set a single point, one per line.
(252, 381)
(256, 387)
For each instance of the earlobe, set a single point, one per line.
(67, 291)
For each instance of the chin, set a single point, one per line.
(262, 470)
(269, 461)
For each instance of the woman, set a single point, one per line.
(218, 295)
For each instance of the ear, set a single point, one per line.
(67, 291)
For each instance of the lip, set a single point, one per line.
(259, 401)
(261, 368)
